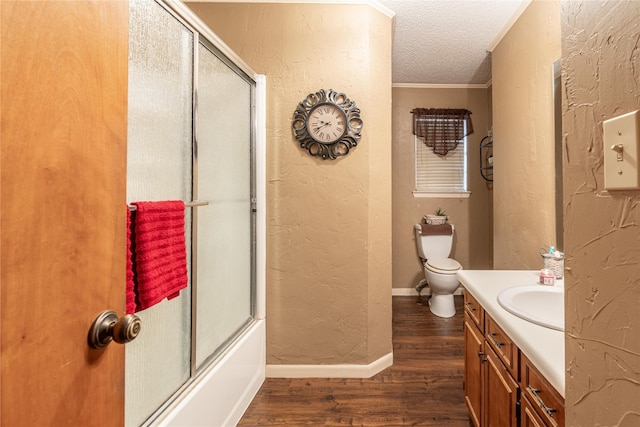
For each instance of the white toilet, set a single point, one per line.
(439, 270)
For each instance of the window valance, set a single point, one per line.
(442, 128)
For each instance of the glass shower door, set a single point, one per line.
(225, 230)
(159, 167)
(169, 63)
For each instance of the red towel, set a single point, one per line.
(131, 294)
(160, 251)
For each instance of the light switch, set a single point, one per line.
(621, 147)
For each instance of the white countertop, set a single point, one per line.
(544, 347)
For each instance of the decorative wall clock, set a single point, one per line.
(327, 124)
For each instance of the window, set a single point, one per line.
(440, 141)
(440, 174)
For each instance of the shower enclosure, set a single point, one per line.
(192, 135)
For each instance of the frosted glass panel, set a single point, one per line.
(159, 167)
(224, 227)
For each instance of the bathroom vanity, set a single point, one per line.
(514, 368)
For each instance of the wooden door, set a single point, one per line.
(473, 369)
(63, 165)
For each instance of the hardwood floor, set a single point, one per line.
(422, 388)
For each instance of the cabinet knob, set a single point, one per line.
(536, 393)
(495, 341)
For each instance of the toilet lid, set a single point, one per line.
(444, 265)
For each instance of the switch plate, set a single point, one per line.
(621, 147)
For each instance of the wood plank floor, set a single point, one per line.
(422, 388)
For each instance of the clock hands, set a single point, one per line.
(317, 128)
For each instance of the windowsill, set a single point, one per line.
(426, 194)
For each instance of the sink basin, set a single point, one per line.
(542, 305)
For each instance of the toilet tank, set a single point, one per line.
(432, 247)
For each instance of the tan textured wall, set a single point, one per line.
(471, 217)
(523, 129)
(328, 222)
(601, 228)
(379, 245)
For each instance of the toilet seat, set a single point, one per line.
(443, 265)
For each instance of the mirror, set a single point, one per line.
(557, 115)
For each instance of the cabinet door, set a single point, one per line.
(501, 393)
(545, 400)
(528, 415)
(503, 346)
(473, 362)
(475, 310)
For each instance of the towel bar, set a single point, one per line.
(186, 205)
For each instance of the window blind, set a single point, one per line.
(440, 174)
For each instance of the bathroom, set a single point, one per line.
(361, 206)
(499, 228)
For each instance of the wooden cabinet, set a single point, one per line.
(474, 358)
(501, 386)
(491, 363)
(541, 395)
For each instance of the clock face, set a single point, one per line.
(326, 123)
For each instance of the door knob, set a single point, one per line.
(107, 327)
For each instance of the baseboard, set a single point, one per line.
(330, 371)
(408, 292)
(411, 292)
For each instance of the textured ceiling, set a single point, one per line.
(446, 41)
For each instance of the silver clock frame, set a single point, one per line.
(323, 149)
